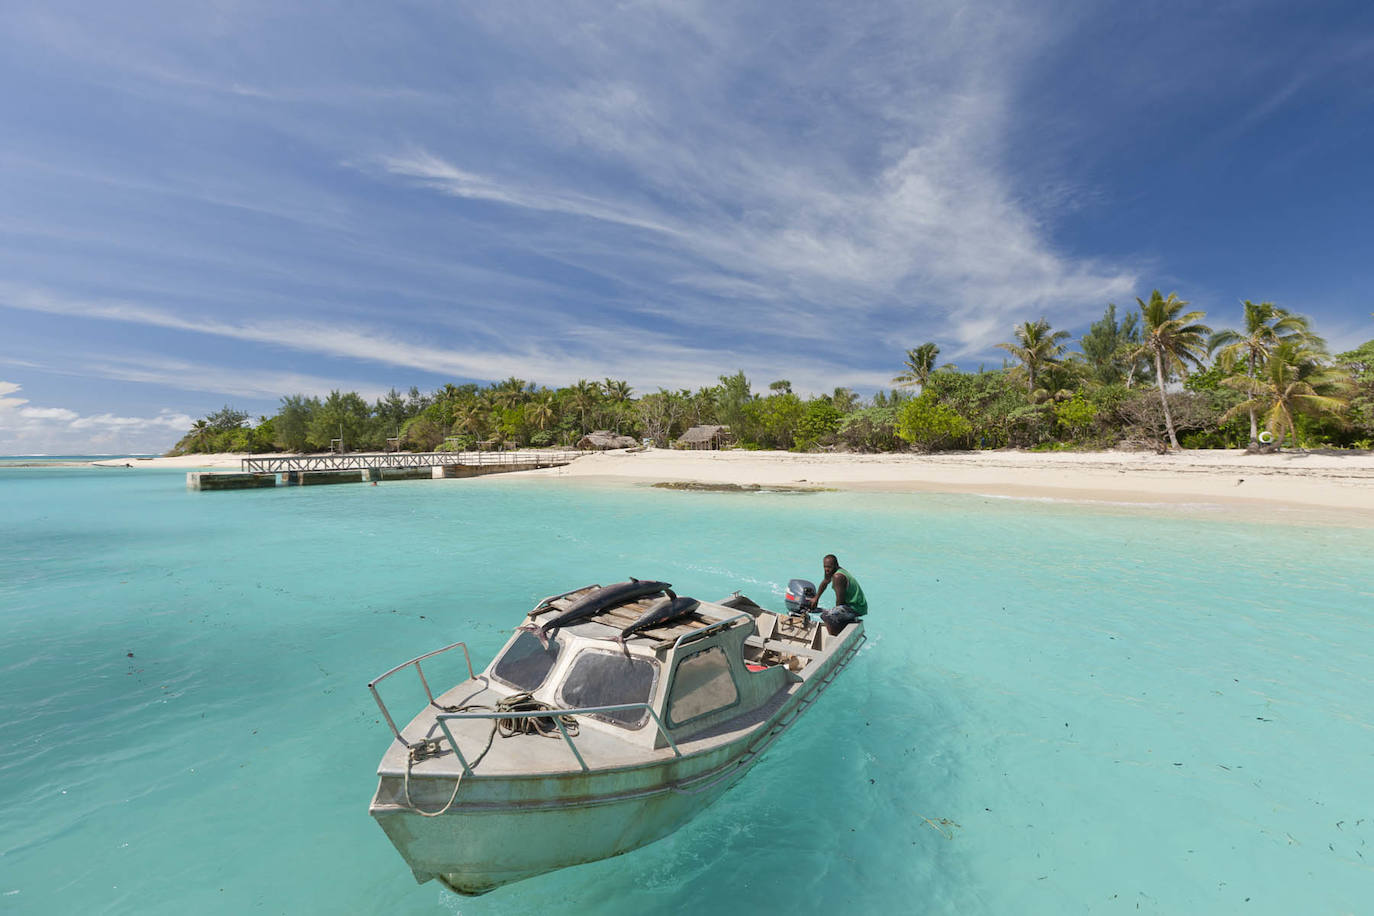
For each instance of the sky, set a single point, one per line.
(226, 202)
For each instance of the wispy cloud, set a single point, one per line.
(929, 221)
(443, 176)
(183, 375)
(648, 358)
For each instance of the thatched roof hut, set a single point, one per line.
(705, 437)
(603, 439)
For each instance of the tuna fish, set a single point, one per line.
(603, 599)
(665, 611)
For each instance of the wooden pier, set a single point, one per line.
(309, 470)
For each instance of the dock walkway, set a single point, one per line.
(373, 467)
(362, 461)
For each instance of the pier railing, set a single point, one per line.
(365, 460)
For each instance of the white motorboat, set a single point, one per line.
(590, 746)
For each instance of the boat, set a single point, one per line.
(611, 736)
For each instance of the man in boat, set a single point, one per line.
(850, 603)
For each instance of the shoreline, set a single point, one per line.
(1339, 485)
(1329, 486)
(219, 461)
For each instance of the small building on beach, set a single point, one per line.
(704, 437)
(603, 439)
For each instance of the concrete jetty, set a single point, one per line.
(314, 470)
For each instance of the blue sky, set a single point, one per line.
(225, 202)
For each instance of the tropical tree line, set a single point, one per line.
(1155, 375)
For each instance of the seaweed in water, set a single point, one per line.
(698, 486)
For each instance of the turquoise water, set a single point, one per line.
(1060, 709)
(18, 461)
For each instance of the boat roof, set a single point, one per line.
(608, 624)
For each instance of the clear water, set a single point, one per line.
(1060, 709)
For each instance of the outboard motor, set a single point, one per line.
(799, 591)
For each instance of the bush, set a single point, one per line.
(873, 429)
(1076, 415)
(928, 424)
(1029, 425)
(818, 425)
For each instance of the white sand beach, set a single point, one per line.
(1338, 483)
(227, 461)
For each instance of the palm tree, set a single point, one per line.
(1058, 381)
(1266, 325)
(509, 393)
(449, 394)
(704, 404)
(539, 412)
(618, 391)
(1289, 384)
(920, 362)
(1174, 341)
(473, 420)
(1036, 347)
(200, 434)
(585, 395)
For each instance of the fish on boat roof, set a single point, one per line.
(595, 602)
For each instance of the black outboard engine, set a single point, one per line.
(799, 595)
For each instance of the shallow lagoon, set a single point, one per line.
(1061, 708)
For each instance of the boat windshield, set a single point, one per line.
(526, 663)
(600, 678)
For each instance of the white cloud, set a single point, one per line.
(9, 403)
(48, 413)
(61, 431)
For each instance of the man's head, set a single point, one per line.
(830, 564)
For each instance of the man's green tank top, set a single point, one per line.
(854, 594)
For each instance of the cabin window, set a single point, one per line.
(526, 663)
(600, 678)
(701, 684)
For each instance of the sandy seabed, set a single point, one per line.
(1334, 484)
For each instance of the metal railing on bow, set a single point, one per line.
(557, 716)
(372, 686)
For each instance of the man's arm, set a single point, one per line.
(816, 601)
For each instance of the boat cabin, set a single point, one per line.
(724, 660)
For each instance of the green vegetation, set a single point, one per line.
(1152, 377)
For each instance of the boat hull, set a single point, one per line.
(474, 850)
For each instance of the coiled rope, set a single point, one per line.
(530, 725)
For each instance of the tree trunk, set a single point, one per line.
(1168, 418)
(1254, 427)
